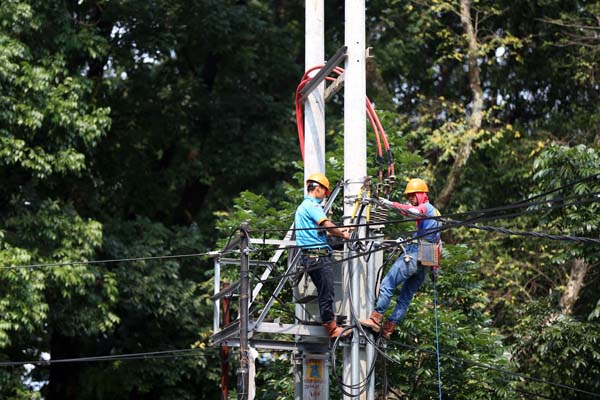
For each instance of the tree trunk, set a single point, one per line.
(579, 269)
(64, 378)
(474, 120)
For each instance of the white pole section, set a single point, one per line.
(314, 106)
(355, 170)
(314, 127)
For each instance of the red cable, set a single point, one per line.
(385, 141)
(378, 140)
(380, 134)
(299, 109)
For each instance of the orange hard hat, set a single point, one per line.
(321, 179)
(416, 186)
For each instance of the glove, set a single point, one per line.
(386, 203)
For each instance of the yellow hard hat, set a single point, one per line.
(321, 179)
(416, 186)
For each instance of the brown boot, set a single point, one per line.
(373, 322)
(334, 331)
(388, 328)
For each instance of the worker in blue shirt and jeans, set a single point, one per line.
(316, 252)
(410, 269)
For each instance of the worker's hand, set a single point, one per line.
(345, 233)
(386, 203)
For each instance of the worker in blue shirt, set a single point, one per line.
(410, 269)
(315, 251)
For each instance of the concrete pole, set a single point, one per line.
(314, 106)
(355, 170)
(314, 128)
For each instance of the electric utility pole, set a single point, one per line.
(355, 170)
(358, 277)
(314, 106)
(312, 368)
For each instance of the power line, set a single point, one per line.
(565, 186)
(116, 260)
(449, 225)
(121, 357)
(595, 196)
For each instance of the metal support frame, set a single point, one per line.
(217, 289)
(243, 371)
(334, 87)
(333, 62)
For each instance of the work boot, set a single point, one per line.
(334, 331)
(388, 328)
(373, 322)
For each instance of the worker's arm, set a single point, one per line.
(421, 209)
(335, 230)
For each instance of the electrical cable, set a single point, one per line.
(592, 198)
(357, 386)
(361, 385)
(565, 186)
(116, 260)
(120, 357)
(451, 357)
(451, 224)
(485, 228)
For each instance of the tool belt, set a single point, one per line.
(320, 252)
(429, 253)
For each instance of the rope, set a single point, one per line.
(437, 334)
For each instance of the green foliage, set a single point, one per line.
(564, 352)
(125, 127)
(159, 307)
(274, 379)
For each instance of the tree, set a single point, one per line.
(47, 128)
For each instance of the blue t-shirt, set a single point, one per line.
(429, 225)
(427, 229)
(310, 214)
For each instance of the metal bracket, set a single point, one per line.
(324, 72)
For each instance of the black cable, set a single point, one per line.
(590, 198)
(116, 260)
(573, 183)
(415, 217)
(419, 217)
(449, 224)
(450, 357)
(120, 357)
(453, 224)
(363, 385)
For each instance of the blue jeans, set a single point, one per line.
(322, 277)
(409, 273)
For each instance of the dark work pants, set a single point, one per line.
(322, 276)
